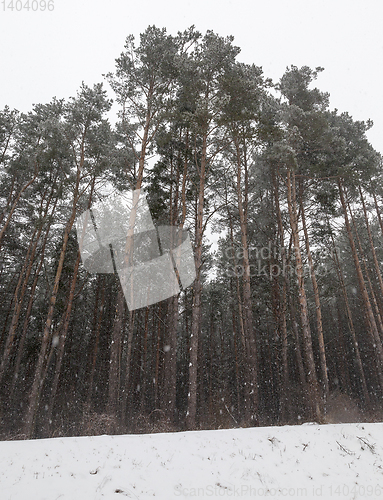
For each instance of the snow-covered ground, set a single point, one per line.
(342, 461)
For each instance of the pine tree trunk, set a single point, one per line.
(143, 369)
(47, 333)
(115, 349)
(128, 361)
(18, 300)
(170, 354)
(22, 285)
(373, 330)
(318, 310)
(157, 358)
(367, 273)
(285, 399)
(115, 361)
(246, 382)
(62, 339)
(372, 246)
(314, 396)
(341, 354)
(170, 361)
(252, 402)
(98, 314)
(351, 325)
(197, 289)
(238, 379)
(298, 349)
(29, 307)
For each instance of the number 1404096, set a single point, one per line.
(27, 5)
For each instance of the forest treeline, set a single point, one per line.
(287, 312)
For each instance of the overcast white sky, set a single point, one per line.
(46, 54)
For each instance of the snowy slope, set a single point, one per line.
(342, 461)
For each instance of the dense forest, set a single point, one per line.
(286, 313)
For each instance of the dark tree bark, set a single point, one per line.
(314, 394)
(373, 329)
(318, 310)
